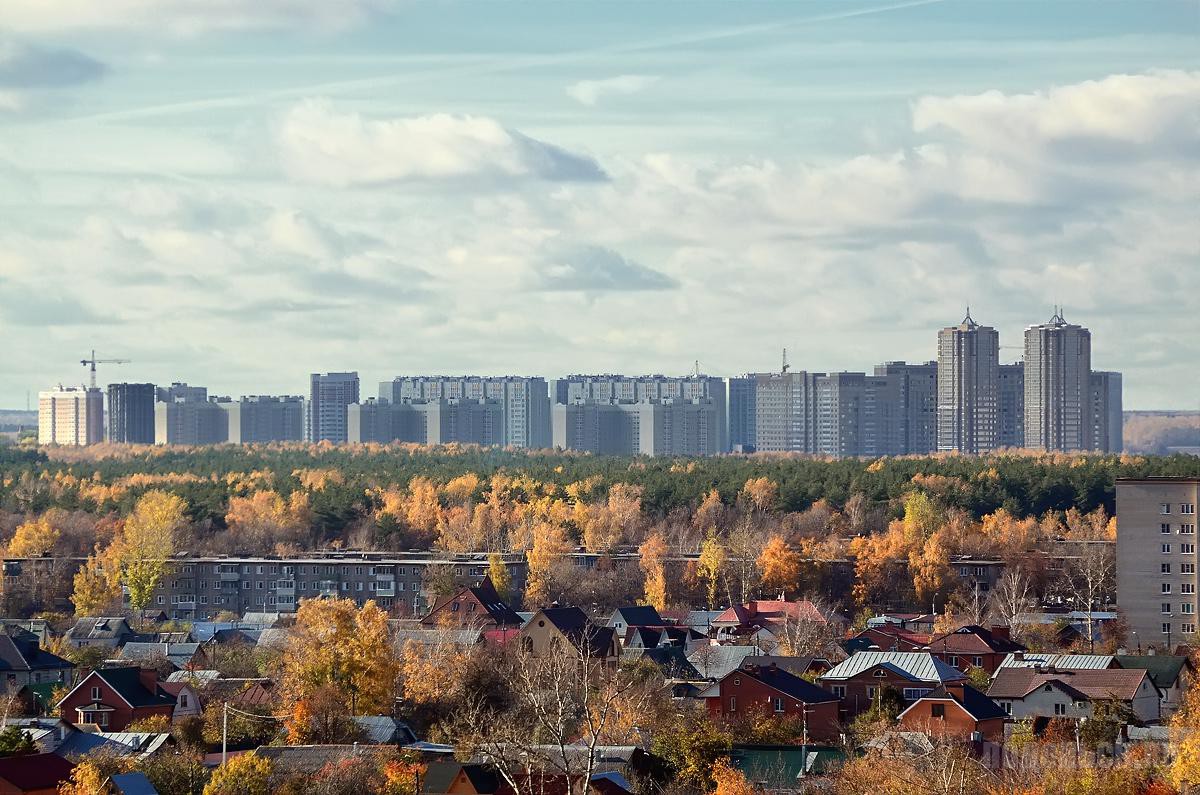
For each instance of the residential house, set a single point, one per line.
(1072, 662)
(1057, 693)
(973, 646)
(478, 607)
(38, 626)
(183, 656)
(187, 699)
(554, 630)
(459, 778)
(1171, 674)
(112, 698)
(754, 691)
(625, 618)
(671, 661)
(956, 710)
(885, 637)
(916, 623)
(309, 759)
(35, 774)
(23, 661)
(859, 680)
(109, 632)
(743, 623)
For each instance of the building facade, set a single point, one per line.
(71, 416)
(741, 394)
(1156, 558)
(329, 395)
(131, 413)
(918, 399)
(1107, 412)
(1010, 392)
(186, 415)
(785, 412)
(673, 426)
(967, 384)
(1058, 406)
(264, 418)
(524, 402)
(459, 420)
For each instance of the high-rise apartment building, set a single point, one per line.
(443, 421)
(131, 413)
(1058, 366)
(671, 426)
(1156, 558)
(524, 402)
(189, 421)
(839, 426)
(967, 379)
(329, 396)
(70, 416)
(785, 412)
(264, 418)
(918, 403)
(180, 392)
(1107, 413)
(1010, 403)
(662, 389)
(741, 393)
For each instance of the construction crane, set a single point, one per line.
(786, 366)
(93, 361)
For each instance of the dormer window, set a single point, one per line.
(880, 674)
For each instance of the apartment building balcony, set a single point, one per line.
(229, 576)
(285, 588)
(385, 587)
(327, 588)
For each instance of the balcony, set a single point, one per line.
(385, 588)
(229, 576)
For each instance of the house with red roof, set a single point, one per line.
(33, 774)
(771, 691)
(113, 698)
(1060, 693)
(749, 619)
(973, 646)
(474, 606)
(860, 679)
(955, 710)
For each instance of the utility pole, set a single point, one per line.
(225, 733)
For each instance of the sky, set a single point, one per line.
(237, 193)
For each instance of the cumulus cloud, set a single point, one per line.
(186, 17)
(596, 269)
(589, 92)
(321, 145)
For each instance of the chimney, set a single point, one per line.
(955, 689)
(1001, 633)
(149, 679)
(1019, 656)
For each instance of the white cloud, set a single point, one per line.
(589, 92)
(185, 17)
(320, 145)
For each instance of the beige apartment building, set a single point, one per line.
(71, 416)
(1156, 558)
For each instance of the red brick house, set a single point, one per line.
(112, 698)
(955, 710)
(886, 637)
(766, 690)
(33, 774)
(859, 679)
(973, 646)
(477, 607)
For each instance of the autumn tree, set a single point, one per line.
(1012, 596)
(759, 494)
(653, 563)
(34, 537)
(780, 566)
(146, 544)
(710, 566)
(728, 780)
(264, 518)
(97, 585)
(710, 513)
(500, 575)
(550, 546)
(245, 774)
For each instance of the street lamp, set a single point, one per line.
(1138, 641)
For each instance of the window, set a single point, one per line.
(183, 700)
(1007, 705)
(1187, 529)
(913, 693)
(777, 703)
(879, 674)
(1166, 587)
(1166, 628)
(95, 695)
(977, 662)
(1165, 567)
(839, 690)
(162, 600)
(1164, 508)
(1165, 608)
(1165, 528)
(1187, 629)
(1060, 709)
(1187, 608)
(454, 607)
(1187, 507)
(872, 691)
(937, 711)
(1187, 568)
(737, 681)
(1187, 587)
(953, 660)
(733, 703)
(1187, 549)
(1166, 548)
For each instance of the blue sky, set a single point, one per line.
(237, 193)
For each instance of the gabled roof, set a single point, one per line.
(128, 685)
(100, 628)
(180, 654)
(133, 784)
(488, 597)
(311, 758)
(1164, 669)
(713, 662)
(35, 771)
(761, 611)
(23, 653)
(639, 616)
(671, 660)
(973, 639)
(1074, 662)
(574, 624)
(440, 775)
(918, 666)
(974, 703)
(786, 683)
(1017, 683)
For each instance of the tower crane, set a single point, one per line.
(93, 361)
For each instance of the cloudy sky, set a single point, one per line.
(236, 193)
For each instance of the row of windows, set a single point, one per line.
(1184, 549)
(1184, 529)
(1187, 608)
(1185, 628)
(1184, 568)
(1184, 508)
(1184, 588)
(246, 568)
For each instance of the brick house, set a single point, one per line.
(478, 607)
(112, 698)
(33, 774)
(859, 679)
(955, 710)
(768, 690)
(885, 637)
(973, 646)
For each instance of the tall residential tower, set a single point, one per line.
(1058, 405)
(967, 385)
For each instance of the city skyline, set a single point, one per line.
(278, 186)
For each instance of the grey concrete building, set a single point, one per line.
(785, 412)
(606, 388)
(1010, 393)
(1156, 558)
(840, 408)
(1058, 366)
(265, 418)
(441, 421)
(918, 399)
(329, 395)
(180, 392)
(1107, 414)
(191, 422)
(967, 380)
(131, 413)
(524, 402)
(672, 426)
(741, 392)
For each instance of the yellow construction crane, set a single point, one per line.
(93, 361)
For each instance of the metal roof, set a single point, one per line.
(916, 665)
(1070, 662)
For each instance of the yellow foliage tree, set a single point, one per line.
(34, 538)
(653, 563)
(265, 518)
(86, 779)
(147, 542)
(710, 565)
(708, 513)
(461, 490)
(780, 566)
(729, 780)
(97, 585)
(245, 774)
(550, 545)
(760, 494)
(423, 509)
(930, 568)
(500, 576)
(429, 672)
